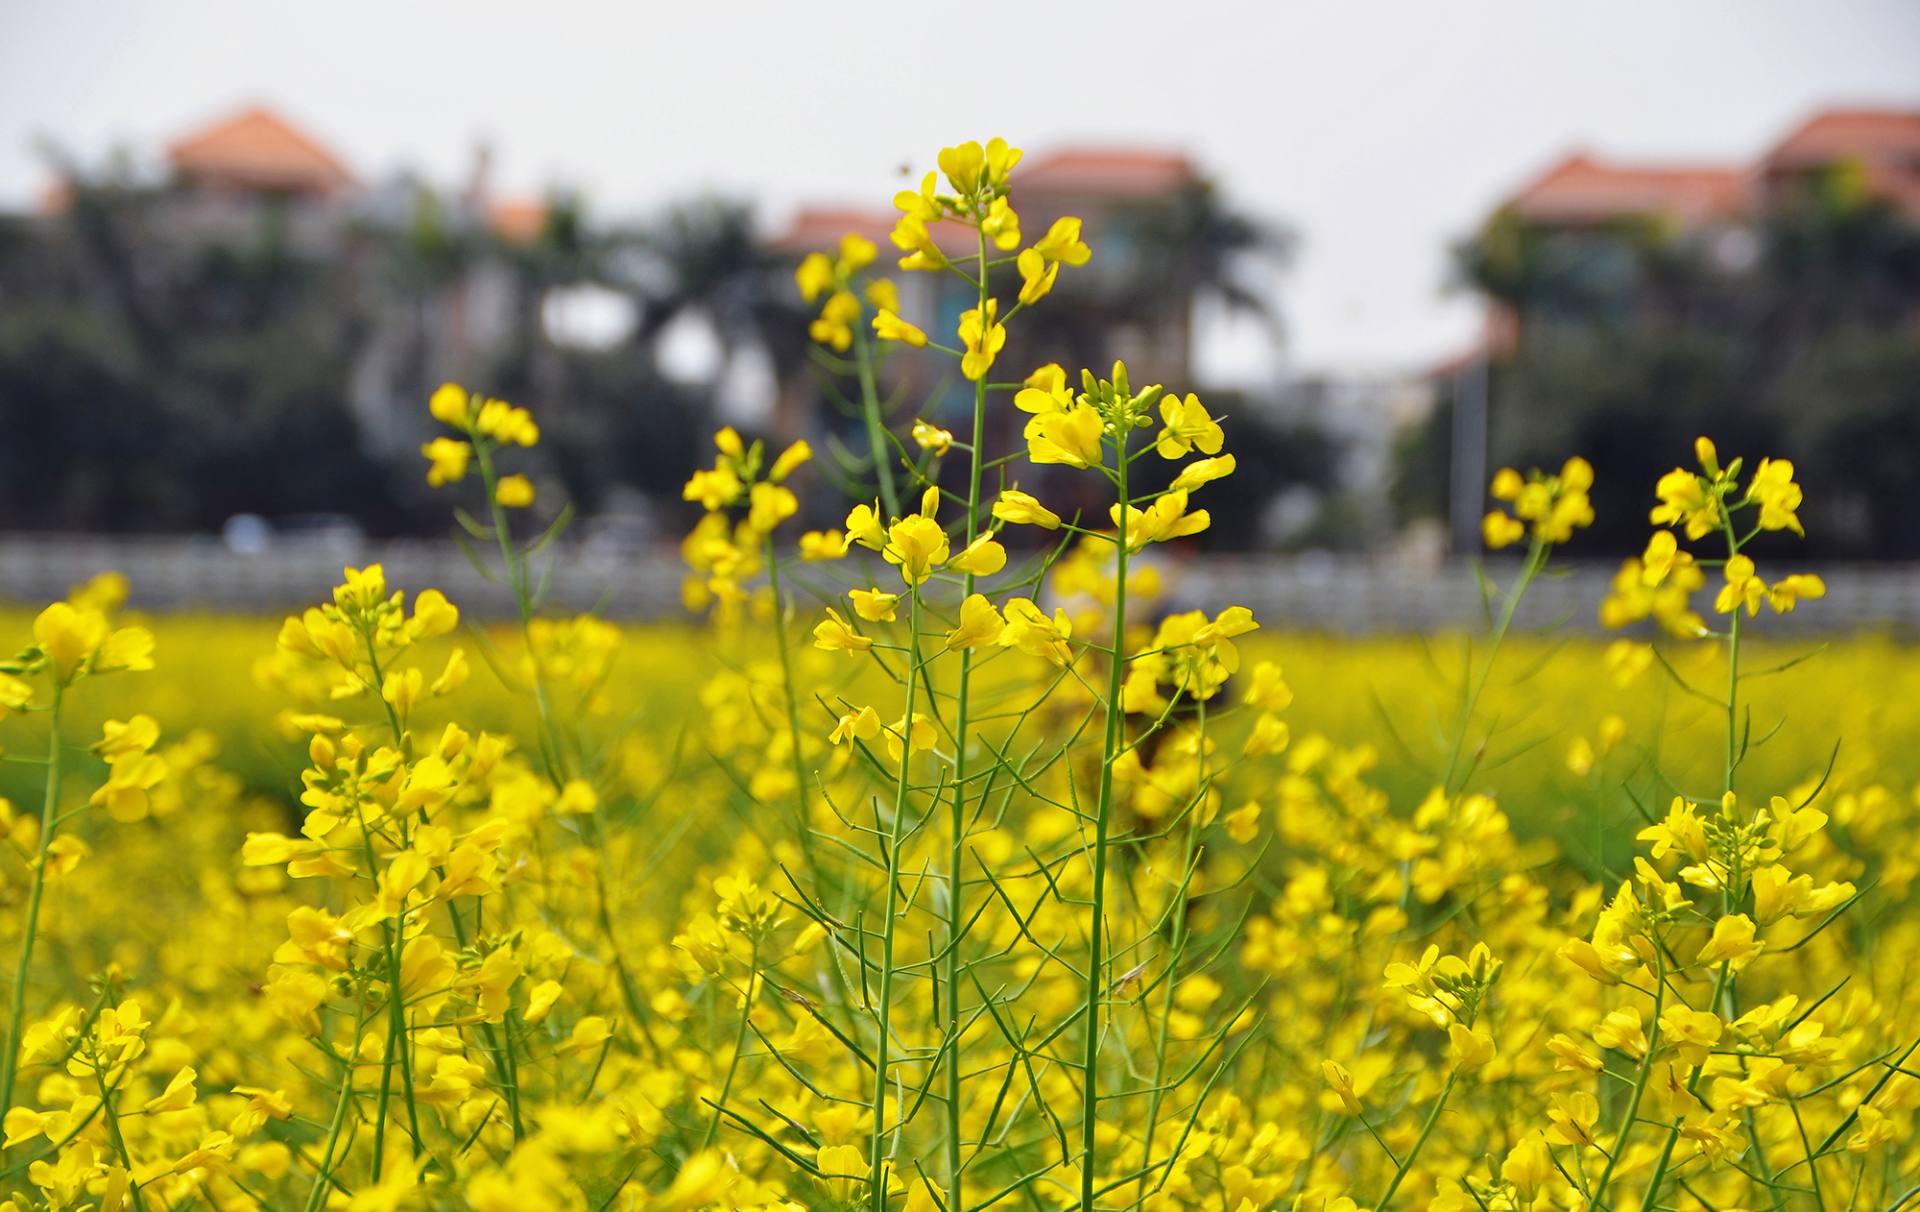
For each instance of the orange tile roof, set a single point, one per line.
(1110, 171)
(518, 220)
(1836, 133)
(1582, 189)
(57, 197)
(1885, 143)
(258, 149)
(818, 229)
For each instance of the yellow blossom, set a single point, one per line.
(514, 492)
(890, 327)
(980, 624)
(932, 438)
(874, 605)
(981, 558)
(1733, 942)
(918, 545)
(823, 545)
(1071, 437)
(1037, 276)
(1062, 243)
(861, 723)
(1019, 508)
(1187, 427)
(982, 337)
(449, 458)
(834, 633)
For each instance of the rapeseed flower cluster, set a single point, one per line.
(968, 876)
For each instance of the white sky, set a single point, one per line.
(1379, 131)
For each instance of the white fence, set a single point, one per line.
(1348, 595)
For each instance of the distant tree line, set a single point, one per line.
(155, 382)
(163, 384)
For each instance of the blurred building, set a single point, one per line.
(251, 169)
(1581, 230)
(433, 269)
(1732, 292)
(275, 294)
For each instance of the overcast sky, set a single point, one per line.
(1378, 131)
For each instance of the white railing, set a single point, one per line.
(1339, 594)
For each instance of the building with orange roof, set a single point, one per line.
(1104, 174)
(1764, 259)
(1583, 221)
(254, 179)
(1582, 190)
(518, 221)
(1883, 145)
(257, 150)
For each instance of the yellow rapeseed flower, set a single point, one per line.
(514, 492)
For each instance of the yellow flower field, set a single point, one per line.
(990, 883)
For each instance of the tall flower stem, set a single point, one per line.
(803, 817)
(1103, 814)
(1535, 561)
(1632, 1113)
(956, 858)
(876, 429)
(1733, 657)
(399, 1042)
(1724, 983)
(515, 565)
(739, 1045)
(119, 1141)
(392, 945)
(1176, 949)
(29, 930)
(883, 1013)
(553, 752)
(1426, 1130)
(323, 1175)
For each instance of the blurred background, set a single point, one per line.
(1399, 245)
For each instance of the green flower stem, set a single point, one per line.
(323, 1177)
(504, 1064)
(509, 1078)
(883, 1013)
(1693, 1084)
(399, 1046)
(399, 1041)
(803, 818)
(516, 568)
(1426, 1130)
(1176, 949)
(1103, 815)
(1733, 655)
(49, 806)
(1734, 543)
(555, 757)
(119, 1141)
(739, 1045)
(876, 431)
(956, 858)
(1640, 1078)
(1536, 560)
